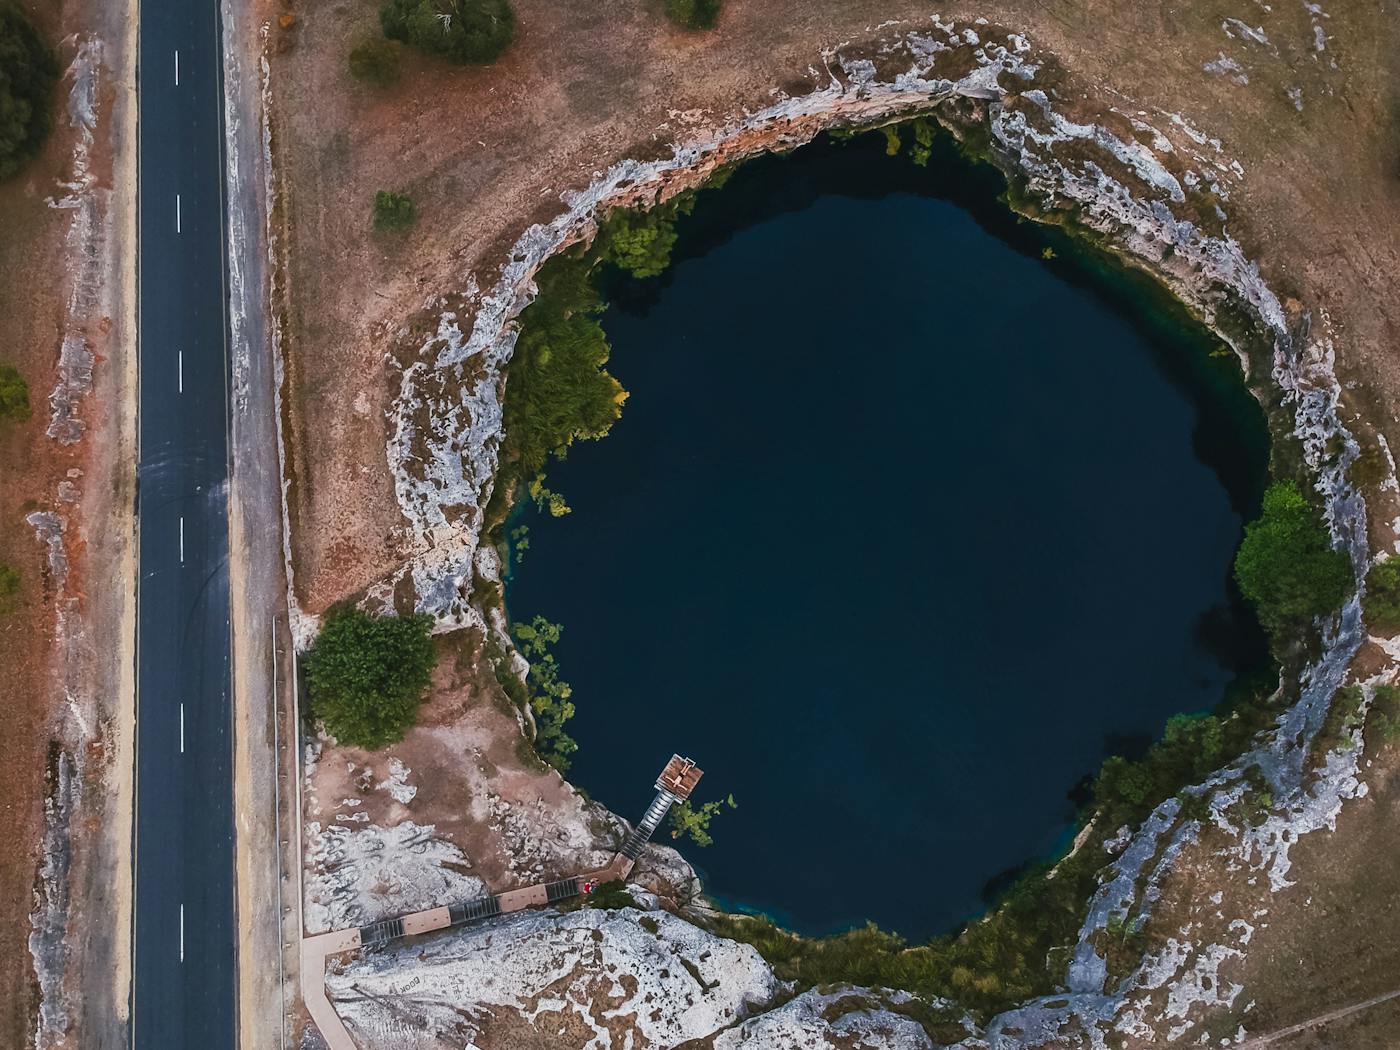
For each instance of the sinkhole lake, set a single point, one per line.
(905, 527)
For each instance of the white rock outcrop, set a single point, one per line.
(590, 979)
(361, 876)
(844, 1020)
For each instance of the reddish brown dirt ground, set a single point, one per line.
(33, 299)
(31, 317)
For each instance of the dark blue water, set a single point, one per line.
(904, 528)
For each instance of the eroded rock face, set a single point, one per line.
(589, 978)
(849, 1018)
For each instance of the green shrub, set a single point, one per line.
(393, 211)
(694, 824)
(375, 60)
(471, 32)
(28, 72)
(366, 675)
(1382, 601)
(549, 694)
(14, 394)
(1286, 565)
(693, 14)
(9, 588)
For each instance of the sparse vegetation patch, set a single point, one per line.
(1384, 715)
(470, 32)
(14, 394)
(1006, 958)
(611, 895)
(375, 61)
(694, 14)
(9, 588)
(393, 210)
(1382, 601)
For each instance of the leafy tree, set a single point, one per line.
(638, 242)
(557, 389)
(1121, 780)
(28, 72)
(1286, 565)
(375, 61)
(1382, 601)
(694, 824)
(9, 588)
(366, 675)
(14, 394)
(694, 14)
(550, 694)
(471, 32)
(393, 211)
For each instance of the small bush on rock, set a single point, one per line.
(611, 895)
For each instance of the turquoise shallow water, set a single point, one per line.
(903, 530)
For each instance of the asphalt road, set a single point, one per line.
(183, 991)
